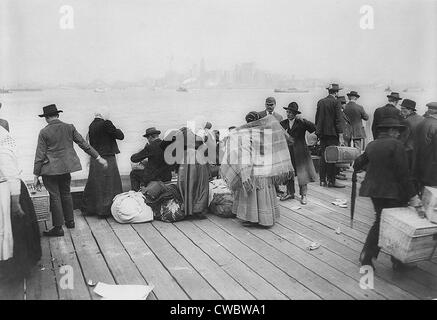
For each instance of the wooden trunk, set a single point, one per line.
(429, 200)
(406, 236)
(339, 154)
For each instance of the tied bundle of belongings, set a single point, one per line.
(165, 201)
(220, 199)
(130, 207)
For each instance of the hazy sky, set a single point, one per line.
(135, 39)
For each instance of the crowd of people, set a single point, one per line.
(400, 161)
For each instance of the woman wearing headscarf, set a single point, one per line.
(256, 159)
(20, 247)
(102, 184)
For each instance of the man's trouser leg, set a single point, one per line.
(303, 189)
(66, 198)
(327, 170)
(136, 177)
(290, 186)
(51, 184)
(371, 248)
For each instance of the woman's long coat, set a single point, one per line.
(299, 152)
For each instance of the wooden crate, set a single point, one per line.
(429, 199)
(406, 236)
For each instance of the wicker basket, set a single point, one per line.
(41, 203)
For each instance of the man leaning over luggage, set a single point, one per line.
(155, 168)
(55, 159)
(329, 129)
(387, 182)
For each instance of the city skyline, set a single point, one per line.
(130, 42)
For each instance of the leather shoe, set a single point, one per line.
(335, 185)
(323, 184)
(303, 200)
(70, 225)
(54, 232)
(286, 197)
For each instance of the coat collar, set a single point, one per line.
(55, 121)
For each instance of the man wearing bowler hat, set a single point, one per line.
(388, 111)
(270, 109)
(300, 155)
(425, 148)
(55, 159)
(412, 120)
(329, 129)
(356, 114)
(155, 168)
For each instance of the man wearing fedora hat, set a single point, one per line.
(155, 169)
(425, 148)
(388, 111)
(55, 160)
(270, 109)
(356, 114)
(300, 155)
(387, 182)
(329, 129)
(412, 119)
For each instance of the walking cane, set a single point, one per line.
(353, 196)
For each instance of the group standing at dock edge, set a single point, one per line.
(399, 162)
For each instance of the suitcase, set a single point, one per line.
(406, 236)
(429, 200)
(340, 154)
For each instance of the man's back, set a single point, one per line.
(356, 114)
(329, 117)
(387, 111)
(426, 151)
(55, 154)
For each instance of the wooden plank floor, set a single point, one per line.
(219, 258)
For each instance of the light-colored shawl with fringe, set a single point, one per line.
(256, 153)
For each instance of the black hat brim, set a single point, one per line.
(397, 98)
(353, 95)
(295, 111)
(50, 114)
(150, 133)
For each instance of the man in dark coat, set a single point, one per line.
(356, 114)
(387, 111)
(270, 109)
(425, 145)
(155, 169)
(329, 129)
(412, 120)
(102, 186)
(296, 127)
(387, 182)
(55, 159)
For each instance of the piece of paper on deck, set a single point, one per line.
(122, 292)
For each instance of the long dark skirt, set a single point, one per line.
(27, 245)
(193, 183)
(102, 186)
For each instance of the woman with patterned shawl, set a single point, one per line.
(20, 247)
(256, 158)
